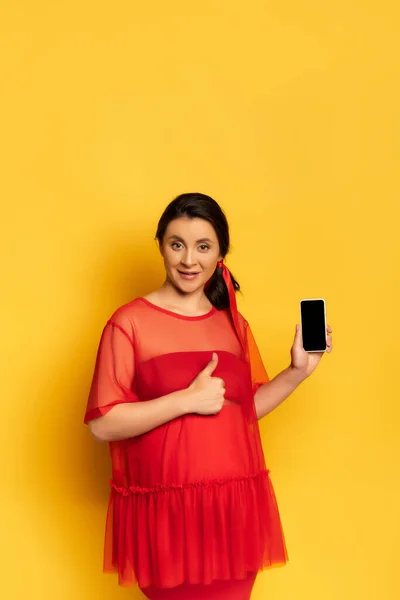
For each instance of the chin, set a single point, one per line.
(186, 287)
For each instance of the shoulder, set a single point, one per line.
(243, 322)
(127, 310)
(126, 315)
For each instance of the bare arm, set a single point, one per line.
(303, 363)
(131, 419)
(272, 394)
(204, 396)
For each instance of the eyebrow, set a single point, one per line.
(176, 237)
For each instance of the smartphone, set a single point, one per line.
(313, 324)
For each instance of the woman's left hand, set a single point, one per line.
(304, 363)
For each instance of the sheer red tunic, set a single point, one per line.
(191, 501)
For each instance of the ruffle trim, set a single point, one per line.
(198, 532)
(163, 488)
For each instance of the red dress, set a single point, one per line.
(191, 501)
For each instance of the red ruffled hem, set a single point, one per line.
(194, 533)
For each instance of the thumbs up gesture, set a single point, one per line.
(207, 392)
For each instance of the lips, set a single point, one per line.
(188, 274)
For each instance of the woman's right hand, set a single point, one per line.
(207, 392)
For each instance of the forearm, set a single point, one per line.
(272, 394)
(135, 418)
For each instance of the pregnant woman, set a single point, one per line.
(178, 389)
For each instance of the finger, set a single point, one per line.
(212, 365)
(220, 384)
(298, 337)
(329, 329)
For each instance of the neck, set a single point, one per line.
(190, 303)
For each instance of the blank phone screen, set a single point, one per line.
(313, 325)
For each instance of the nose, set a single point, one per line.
(188, 258)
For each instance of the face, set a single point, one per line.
(191, 251)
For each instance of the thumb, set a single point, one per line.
(298, 338)
(212, 365)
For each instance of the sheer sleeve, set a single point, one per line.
(259, 375)
(114, 372)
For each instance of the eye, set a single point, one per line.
(204, 247)
(176, 245)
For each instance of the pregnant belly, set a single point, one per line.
(194, 448)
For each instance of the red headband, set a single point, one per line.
(232, 303)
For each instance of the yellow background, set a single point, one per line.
(288, 114)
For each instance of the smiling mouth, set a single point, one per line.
(188, 274)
